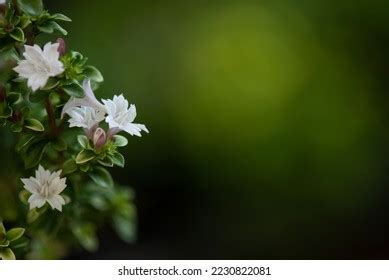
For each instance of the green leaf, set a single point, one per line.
(31, 7)
(83, 140)
(59, 144)
(2, 230)
(107, 161)
(46, 28)
(85, 156)
(34, 153)
(60, 17)
(74, 90)
(5, 110)
(34, 124)
(20, 243)
(69, 166)
(50, 26)
(24, 21)
(38, 96)
(24, 195)
(35, 213)
(59, 28)
(14, 234)
(8, 254)
(101, 177)
(118, 159)
(14, 97)
(32, 215)
(17, 34)
(66, 198)
(24, 140)
(4, 243)
(51, 83)
(98, 202)
(84, 167)
(93, 74)
(86, 236)
(16, 128)
(15, 21)
(120, 141)
(125, 227)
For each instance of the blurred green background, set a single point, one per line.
(268, 121)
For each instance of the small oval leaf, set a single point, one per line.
(120, 141)
(18, 34)
(8, 254)
(83, 140)
(101, 177)
(34, 125)
(14, 234)
(85, 156)
(74, 90)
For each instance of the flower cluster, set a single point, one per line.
(63, 132)
(88, 112)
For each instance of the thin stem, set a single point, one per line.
(50, 115)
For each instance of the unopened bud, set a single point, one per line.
(99, 138)
(62, 46)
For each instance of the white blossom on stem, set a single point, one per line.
(39, 65)
(85, 117)
(120, 116)
(89, 100)
(45, 187)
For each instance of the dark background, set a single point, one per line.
(268, 124)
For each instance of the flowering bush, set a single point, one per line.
(64, 134)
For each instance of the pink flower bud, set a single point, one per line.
(99, 138)
(62, 46)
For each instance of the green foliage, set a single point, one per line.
(86, 236)
(14, 234)
(93, 74)
(17, 34)
(69, 166)
(11, 240)
(83, 141)
(120, 141)
(34, 124)
(101, 177)
(31, 7)
(74, 89)
(43, 137)
(84, 156)
(118, 159)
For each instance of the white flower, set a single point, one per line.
(120, 117)
(45, 187)
(89, 100)
(86, 117)
(39, 65)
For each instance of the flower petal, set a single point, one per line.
(56, 202)
(50, 51)
(25, 69)
(89, 100)
(58, 185)
(135, 129)
(36, 201)
(31, 184)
